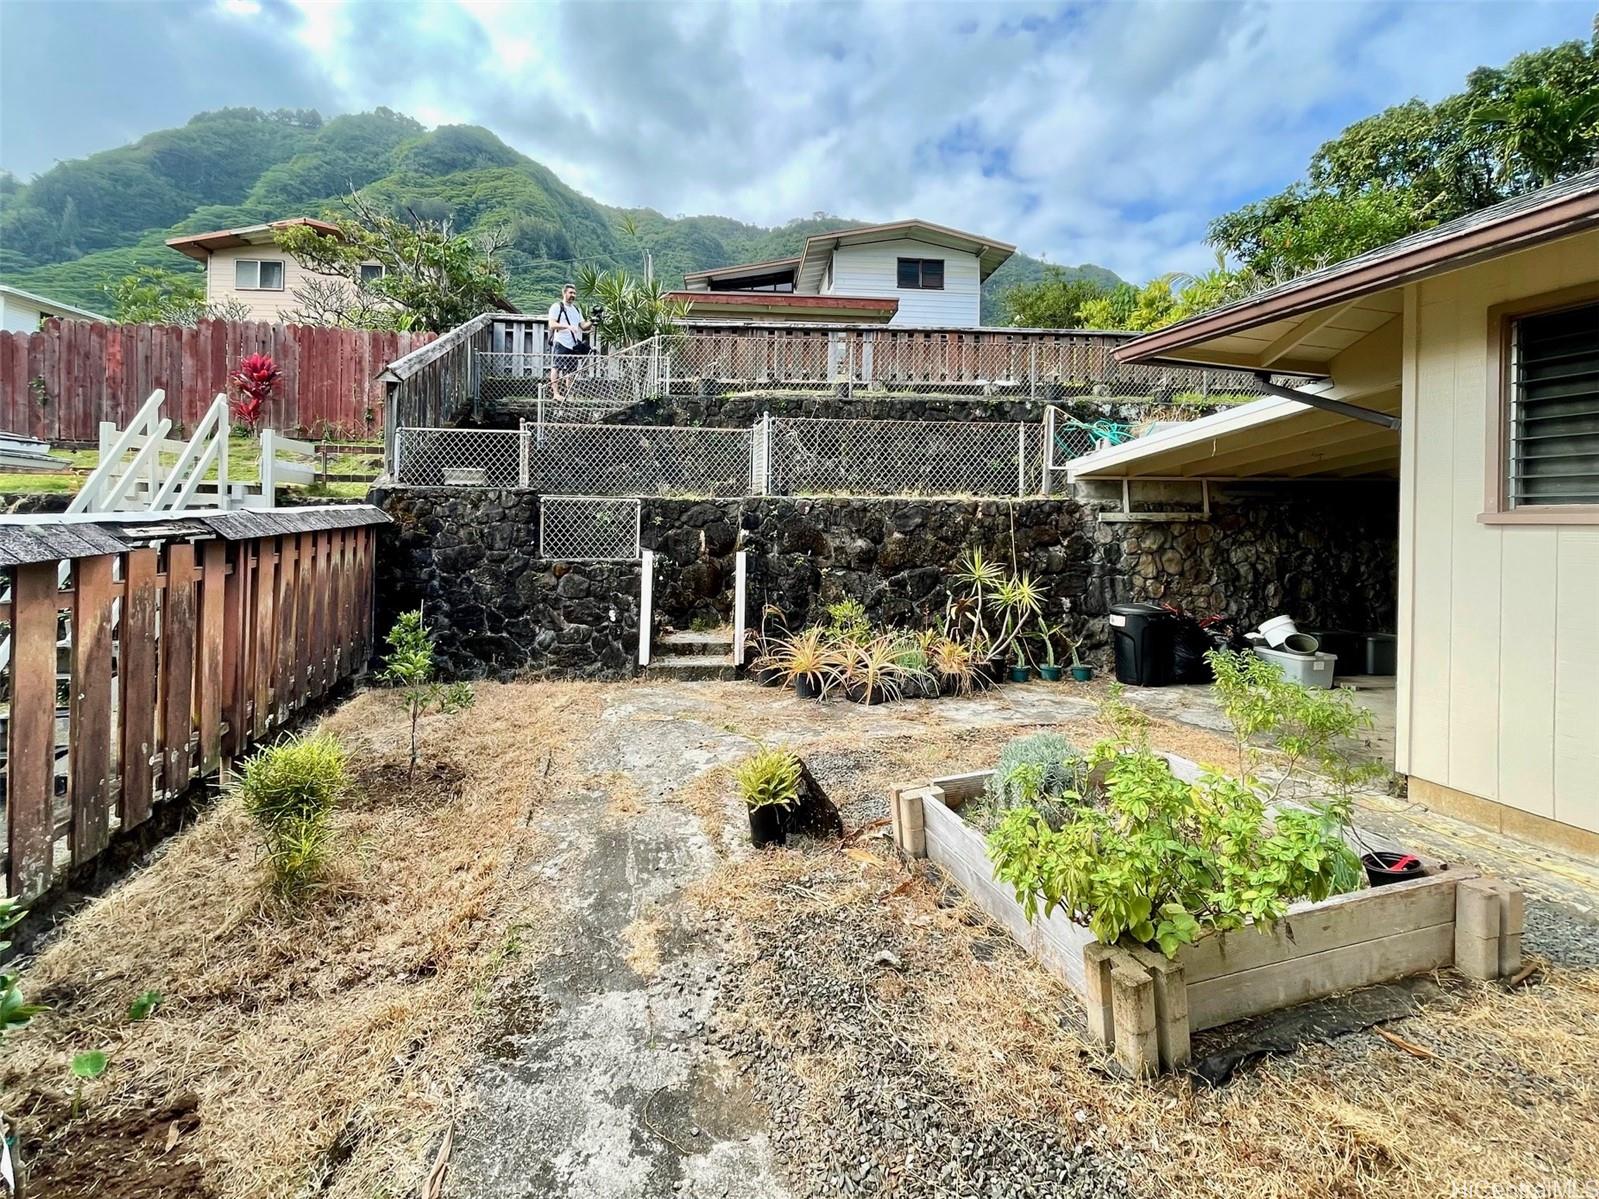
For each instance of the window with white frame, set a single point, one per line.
(920, 274)
(258, 274)
(1553, 393)
(371, 272)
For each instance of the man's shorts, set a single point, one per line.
(567, 361)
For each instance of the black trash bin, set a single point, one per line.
(1143, 635)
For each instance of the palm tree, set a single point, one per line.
(1540, 132)
(633, 311)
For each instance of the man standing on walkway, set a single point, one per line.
(567, 327)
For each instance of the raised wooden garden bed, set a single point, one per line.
(1146, 1006)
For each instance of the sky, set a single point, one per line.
(1090, 132)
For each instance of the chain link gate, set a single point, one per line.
(589, 528)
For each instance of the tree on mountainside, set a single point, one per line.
(433, 277)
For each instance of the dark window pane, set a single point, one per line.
(910, 273)
(933, 273)
(1554, 408)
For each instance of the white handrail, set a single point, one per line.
(204, 434)
(106, 470)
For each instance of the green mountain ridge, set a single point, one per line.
(84, 224)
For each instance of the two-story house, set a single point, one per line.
(246, 265)
(907, 273)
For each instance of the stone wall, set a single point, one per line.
(469, 558)
(1327, 554)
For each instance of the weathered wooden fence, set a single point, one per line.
(144, 655)
(62, 381)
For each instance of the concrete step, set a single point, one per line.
(692, 666)
(689, 644)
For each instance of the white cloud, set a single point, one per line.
(1104, 132)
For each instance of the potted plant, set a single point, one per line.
(953, 668)
(1081, 671)
(1021, 668)
(763, 666)
(1050, 669)
(808, 661)
(1019, 601)
(769, 781)
(878, 672)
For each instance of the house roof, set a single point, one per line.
(53, 307)
(991, 254)
(200, 246)
(1298, 326)
(736, 304)
(811, 265)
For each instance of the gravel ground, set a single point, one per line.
(890, 1121)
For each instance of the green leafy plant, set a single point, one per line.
(87, 1066)
(1141, 855)
(145, 1005)
(15, 1011)
(810, 654)
(290, 790)
(847, 620)
(409, 667)
(952, 664)
(882, 669)
(770, 776)
(634, 310)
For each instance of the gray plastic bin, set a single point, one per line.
(1308, 670)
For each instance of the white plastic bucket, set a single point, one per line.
(1277, 630)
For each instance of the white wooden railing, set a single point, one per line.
(142, 470)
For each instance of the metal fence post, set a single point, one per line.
(766, 456)
(1021, 460)
(524, 466)
(1032, 370)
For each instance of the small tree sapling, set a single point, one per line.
(409, 666)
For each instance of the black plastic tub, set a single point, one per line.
(807, 686)
(767, 826)
(1384, 867)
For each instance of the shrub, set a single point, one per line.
(846, 621)
(1161, 860)
(769, 776)
(409, 666)
(15, 1011)
(290, 790)
(1043, 770)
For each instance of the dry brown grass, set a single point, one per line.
(323, 1041)
(1509, 1098)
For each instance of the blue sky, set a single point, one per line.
(1105, 132)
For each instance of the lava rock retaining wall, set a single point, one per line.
(1326, 555)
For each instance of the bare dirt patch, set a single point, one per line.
(319, 1045)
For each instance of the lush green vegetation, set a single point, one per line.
(1119, 843)
(85, 224)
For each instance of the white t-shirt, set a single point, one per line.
(569, 314)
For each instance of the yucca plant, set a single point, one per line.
(1019, 601)
(809, 660)
(769, 782)
(954, 666)
(290, 790)
(878, 671)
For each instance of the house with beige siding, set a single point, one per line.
(907, 273)
(245, 266)
(1464, 362)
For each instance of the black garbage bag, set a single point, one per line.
(1190, 644)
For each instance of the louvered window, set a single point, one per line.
(1554, 408)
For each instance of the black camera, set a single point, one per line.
(596, 312)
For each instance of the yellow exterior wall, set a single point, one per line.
(262, 305)
(1499, 624)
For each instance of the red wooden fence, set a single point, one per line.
(156, 664)
(62, 381)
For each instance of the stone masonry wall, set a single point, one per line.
(1327, 555)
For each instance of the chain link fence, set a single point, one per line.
(580, 459)
(588, 528)
(588, 387)
(883, 457)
